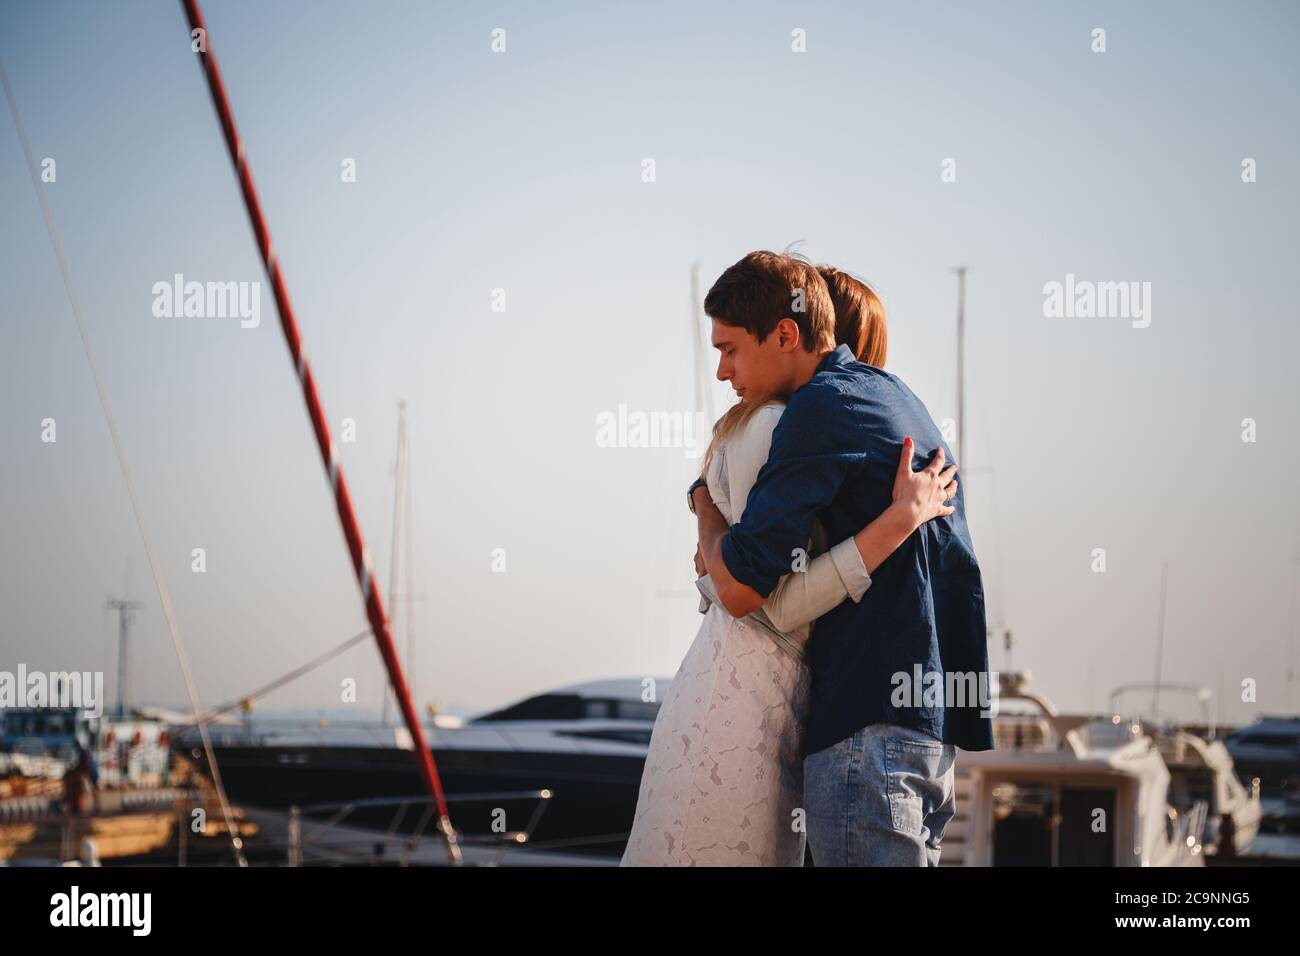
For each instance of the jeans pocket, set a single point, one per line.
(914, 772)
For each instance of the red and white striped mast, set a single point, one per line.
(351, 529)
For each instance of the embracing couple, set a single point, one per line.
(841, 659)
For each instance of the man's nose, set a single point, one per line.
(724, 372)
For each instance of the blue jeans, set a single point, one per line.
(882, 797)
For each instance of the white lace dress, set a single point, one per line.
(723, 780)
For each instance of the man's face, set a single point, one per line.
(757, 371)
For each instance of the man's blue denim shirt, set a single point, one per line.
(913, 651)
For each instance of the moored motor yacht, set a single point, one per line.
(1200, 767)
(1066, 790)
(584, 746)
(1269, 749)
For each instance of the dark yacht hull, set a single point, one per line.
(594, 796)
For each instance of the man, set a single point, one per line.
(81, 783)
(899, 678)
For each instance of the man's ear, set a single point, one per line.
(787, 335)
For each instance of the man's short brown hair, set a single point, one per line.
(763, 288)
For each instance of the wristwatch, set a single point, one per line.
(690, 493)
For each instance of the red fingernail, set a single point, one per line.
(907, 441)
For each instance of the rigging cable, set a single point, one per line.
(215, 712)
(164, 595)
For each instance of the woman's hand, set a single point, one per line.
(918, 497)
(924, 494)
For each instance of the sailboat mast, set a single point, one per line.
(703, 394)
(1160, 641)
(961, 365)
(410, 576)
(398, 490)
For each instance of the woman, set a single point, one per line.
(723, 779)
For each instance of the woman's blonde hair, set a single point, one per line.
(859, 324)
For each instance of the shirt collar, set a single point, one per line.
(841, 355)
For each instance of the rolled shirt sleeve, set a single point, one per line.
(848, 562)
(803, 596)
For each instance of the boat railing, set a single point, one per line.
(1067, 733)
(339, 811)
(271, 731)
(1153, 720)
(1189, 827)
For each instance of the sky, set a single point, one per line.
(509, 264)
